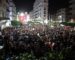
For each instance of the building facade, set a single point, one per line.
(60, 15)
(31, 15)
(12, 10)
(72, 11)
(7, 9)
(7, 13)
(40, 9)
(3, 9)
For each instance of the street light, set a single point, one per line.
(1, 47)
(52, 26)
(62, 25)
(21, 14)
(60, 16)
(72, 21)
(46, 21)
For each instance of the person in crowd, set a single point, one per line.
(18, 41)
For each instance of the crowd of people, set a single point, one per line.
(16, 41)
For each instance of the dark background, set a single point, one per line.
(27, 5)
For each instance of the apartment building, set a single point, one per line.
(40, 9)
(72, 7)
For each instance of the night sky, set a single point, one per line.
(24, 5)
(27, 5)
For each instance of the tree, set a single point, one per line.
(15, 23)
(68, 24)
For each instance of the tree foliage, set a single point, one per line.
(15, 23)
(68, 24)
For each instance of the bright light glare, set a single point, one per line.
(38, 34)
(60, 16)
(52, 26)
(53, 44)
(33, 29)
(8, 23)
(10, 17)
(21, 14)
(60, 21)
(46, 21)
(62, 25)
(28, 18)
(1, 47)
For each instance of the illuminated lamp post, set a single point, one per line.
(46, 21)
(60, 18)
(45, 24)
(1, 47)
